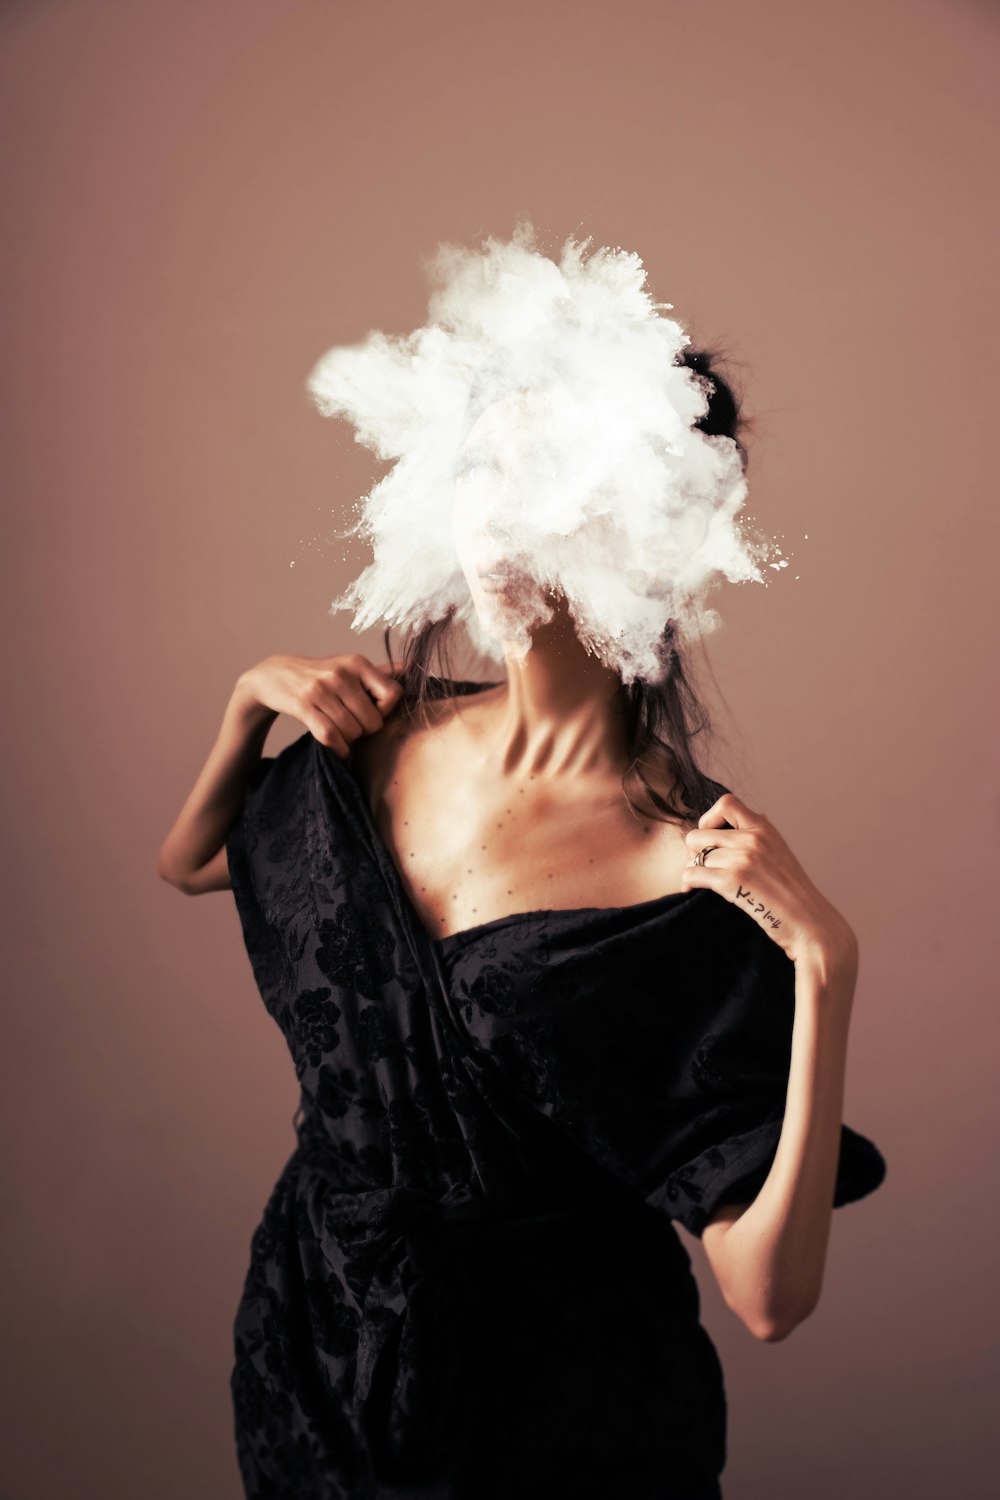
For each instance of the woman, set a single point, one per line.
(531, 1028)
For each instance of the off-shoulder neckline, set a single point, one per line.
(442, 941)
(633, 907)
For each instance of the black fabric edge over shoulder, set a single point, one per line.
(246, 844)
(240, 841)
(236, 839)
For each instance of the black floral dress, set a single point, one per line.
(466, 1283)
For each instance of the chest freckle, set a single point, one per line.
(581, 847)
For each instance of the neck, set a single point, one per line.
(556, 716)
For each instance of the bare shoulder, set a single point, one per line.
(411, 739)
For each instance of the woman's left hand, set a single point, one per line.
(751, 865)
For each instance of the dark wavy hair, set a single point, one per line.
(662, 720)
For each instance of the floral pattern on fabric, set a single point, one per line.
(466, 1283)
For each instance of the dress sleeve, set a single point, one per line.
(260, 854)
(732, 1086)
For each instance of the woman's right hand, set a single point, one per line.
(331, 695)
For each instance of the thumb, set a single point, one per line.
(381, 683)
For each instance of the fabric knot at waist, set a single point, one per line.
(407, 1256)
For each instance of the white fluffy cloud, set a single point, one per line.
(542, 403)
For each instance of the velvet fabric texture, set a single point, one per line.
(466, 1283)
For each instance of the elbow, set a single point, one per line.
(773, 1327)
(771, 1331)
(173, 877)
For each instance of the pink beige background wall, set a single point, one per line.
(200, 199)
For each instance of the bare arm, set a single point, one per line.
(769, 1257)
(336, 698)
(193, 855)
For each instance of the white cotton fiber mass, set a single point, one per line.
(542, 406)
